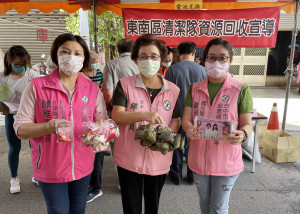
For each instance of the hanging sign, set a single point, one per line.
(257, 27)
(188, 5)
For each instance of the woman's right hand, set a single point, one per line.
(54, 124)
(153, 118)
(191, 132)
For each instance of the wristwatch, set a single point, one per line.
(245, 135)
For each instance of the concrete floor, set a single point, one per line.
(263, 99)
(273, 188)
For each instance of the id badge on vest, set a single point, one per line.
(213, 129)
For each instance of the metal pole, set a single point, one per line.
(290, 67)
(95, 26)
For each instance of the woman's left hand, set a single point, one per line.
(5, 110)
(100, 121)
(236, 137)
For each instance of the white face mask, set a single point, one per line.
(148, 67)
(70, 64)
(167, 64)
(217, 69)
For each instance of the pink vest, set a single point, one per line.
(205, 156)
(54, 161)
(129, 154)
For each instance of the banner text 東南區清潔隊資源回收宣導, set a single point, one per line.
(256, 27)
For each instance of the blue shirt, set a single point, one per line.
(183, 74)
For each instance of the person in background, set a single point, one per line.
(183, 74)
(1, 60)
(198, 56)
(17, 74)
(114, 70)
(95, 75)
(40, 67)
(166, 63)
(217, 164)
(145, 98)
(50, 66)
(92, 71)
(62, 99)
(197, 60)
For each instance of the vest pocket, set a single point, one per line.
(222, 157)
(39, 159)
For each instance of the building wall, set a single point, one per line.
(286, 22)
(250, 65)
(21, 29)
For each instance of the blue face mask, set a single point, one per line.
(19, 70)
(95, 66)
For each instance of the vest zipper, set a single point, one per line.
(73, 139)
(72, 144)
(205, 173)
(144, 155)
(209, 117)
(72, 120)
(145, 149)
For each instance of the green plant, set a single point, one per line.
(73, 23)
(110, 29)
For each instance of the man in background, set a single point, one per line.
(183, 74)
(114, 70)
(166, 63)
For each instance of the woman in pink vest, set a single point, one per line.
(59, 100)
(142, 99)
(217, 163)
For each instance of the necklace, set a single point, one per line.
(150, 91)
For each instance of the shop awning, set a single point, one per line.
(45, 6)
(71, 6)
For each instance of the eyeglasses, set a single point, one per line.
(221, 59)
(145, 57)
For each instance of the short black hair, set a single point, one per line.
(217, 41)
(186, 47)
(61, 39)
(15, 51)
(125, 45)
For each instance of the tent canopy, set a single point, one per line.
(286, 5)
(71, 6)
(24, 6)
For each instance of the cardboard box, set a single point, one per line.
(262, 128)
(280, 147)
